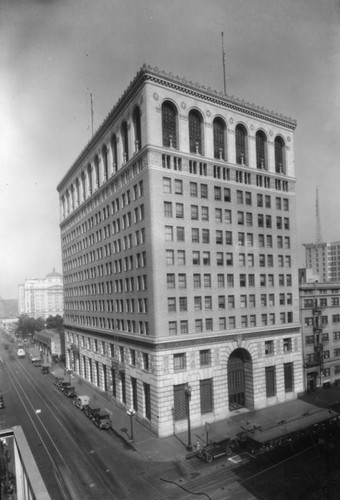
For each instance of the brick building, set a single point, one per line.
(179, 255)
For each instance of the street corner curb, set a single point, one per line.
(130, 444)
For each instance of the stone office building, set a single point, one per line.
(179, 255)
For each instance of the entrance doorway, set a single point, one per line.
(240, 380)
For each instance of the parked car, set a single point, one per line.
(102, 420)
(70, 392)
(217, 449)
(45, 369)
(34, 357)
(37, 362)
(21, 353)
(81, 401)
(90, 411)
(62, 385)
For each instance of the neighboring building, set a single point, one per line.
(20, 476)
(51, 343)
(324, 260)
(40, 298)
(179, 255)
(320, 319)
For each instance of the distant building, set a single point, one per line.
(179, 255)
(320, 319)
(40, 298)
(324, 260)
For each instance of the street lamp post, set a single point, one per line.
(131, 413)
(187, 398)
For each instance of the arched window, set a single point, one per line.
(137, 128)
(105, 162)
(195, 131)
(261, 149)
(279, 147)
(89, 175)
(125, 142)
(114, 152)
(96, 169)
(219, 133)
(241, 137)
(169, 124)
(82, 177)
(77, 191)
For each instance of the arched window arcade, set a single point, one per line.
(137, 129)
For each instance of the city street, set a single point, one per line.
(77, 460)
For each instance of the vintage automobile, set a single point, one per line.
(102, 420)
(81, 401)
(37, 362)
(34, 357)
(217, 449)
(21, 353)
(91, 411)
(45, 369)
(62, 385)
(70, 392)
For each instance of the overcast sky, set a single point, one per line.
(280, 54)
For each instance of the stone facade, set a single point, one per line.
(179, 255)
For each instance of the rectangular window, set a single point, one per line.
(289, 376)
(166, 185)
(170, 280)
(167, 209)
(205, 357)
(179, 210)
(269, 347)
(206, 395)
(194, 212)
(180, 404)
(270, 381)
(179, 361)
(197, 281)
(193, 189)
(178, 186)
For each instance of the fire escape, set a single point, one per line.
(315, 359)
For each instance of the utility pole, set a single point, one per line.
(223, 62)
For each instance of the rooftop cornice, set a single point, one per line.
(154, 74)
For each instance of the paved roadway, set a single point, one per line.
(76, 459)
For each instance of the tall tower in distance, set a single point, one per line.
(318, 232)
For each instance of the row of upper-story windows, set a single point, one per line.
(128, 263)
(200, 302)
(175, 186)
(129, 284)
(230, 323)
(112, 324)
(243, 218)
(118, 204)
(178, 233)
(170, 138)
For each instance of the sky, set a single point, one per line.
(280, 54)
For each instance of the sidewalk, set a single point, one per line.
(173, 448)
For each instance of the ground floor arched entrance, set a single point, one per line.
(240, 380)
